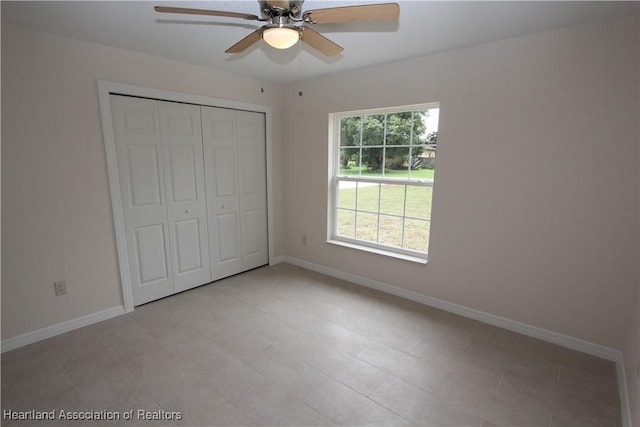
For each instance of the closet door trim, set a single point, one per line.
(105, 89)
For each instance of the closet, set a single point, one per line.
(193, 187)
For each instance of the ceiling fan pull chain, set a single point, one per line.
(261, 69)
(300, 61)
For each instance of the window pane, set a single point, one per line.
(396, 162)
(390, 231)
(373, 129)
(347, 195)
(420, 121)
(416, 234)
(372, 161)
(346, 223)
(399, 127)
(393, 148)
(350, 131)
(367, 226)
(431, 119)
(422, 174)
(368, 197)
(419, 202)
(429, 152)
(349, 161)
(396, 173)
(430, 139)
(423, 158)
(392, 199)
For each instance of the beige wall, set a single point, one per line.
(535, 212)
(536, 197)
(631, 350)
(56, 208)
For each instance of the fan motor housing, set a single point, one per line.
(271, 8)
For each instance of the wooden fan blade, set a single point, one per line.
(364, 13)
(320, 42)
(245, 42)
(183, 10)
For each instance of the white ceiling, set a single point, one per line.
(424, 27)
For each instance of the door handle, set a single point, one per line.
(187, 211)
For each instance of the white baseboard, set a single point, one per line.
(491, 319)
(59, 328)
(277, 260)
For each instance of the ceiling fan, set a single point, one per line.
(287, 24)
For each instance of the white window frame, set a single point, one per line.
(334, 180)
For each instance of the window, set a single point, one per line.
(382, 174)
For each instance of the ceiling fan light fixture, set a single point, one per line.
(281, 37)
(287, 25)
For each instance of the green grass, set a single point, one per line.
(388, 201)
(388, 173)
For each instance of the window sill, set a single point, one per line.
(383, 252)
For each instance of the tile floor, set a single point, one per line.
(282, 346)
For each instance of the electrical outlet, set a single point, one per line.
(304, 239)
(60, 287)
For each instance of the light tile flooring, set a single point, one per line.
(285, 346)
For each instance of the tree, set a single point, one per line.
(369, 132)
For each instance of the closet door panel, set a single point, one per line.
(224, 161)
(182, 168)
(141, 175)
(151, 242)
(186, 198)
(253, 192)
(227, 244)
(221, 173)
(252, 226)
(188, 243)
(144, 173)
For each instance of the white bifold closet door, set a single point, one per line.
(161, 173)
(234, 153)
